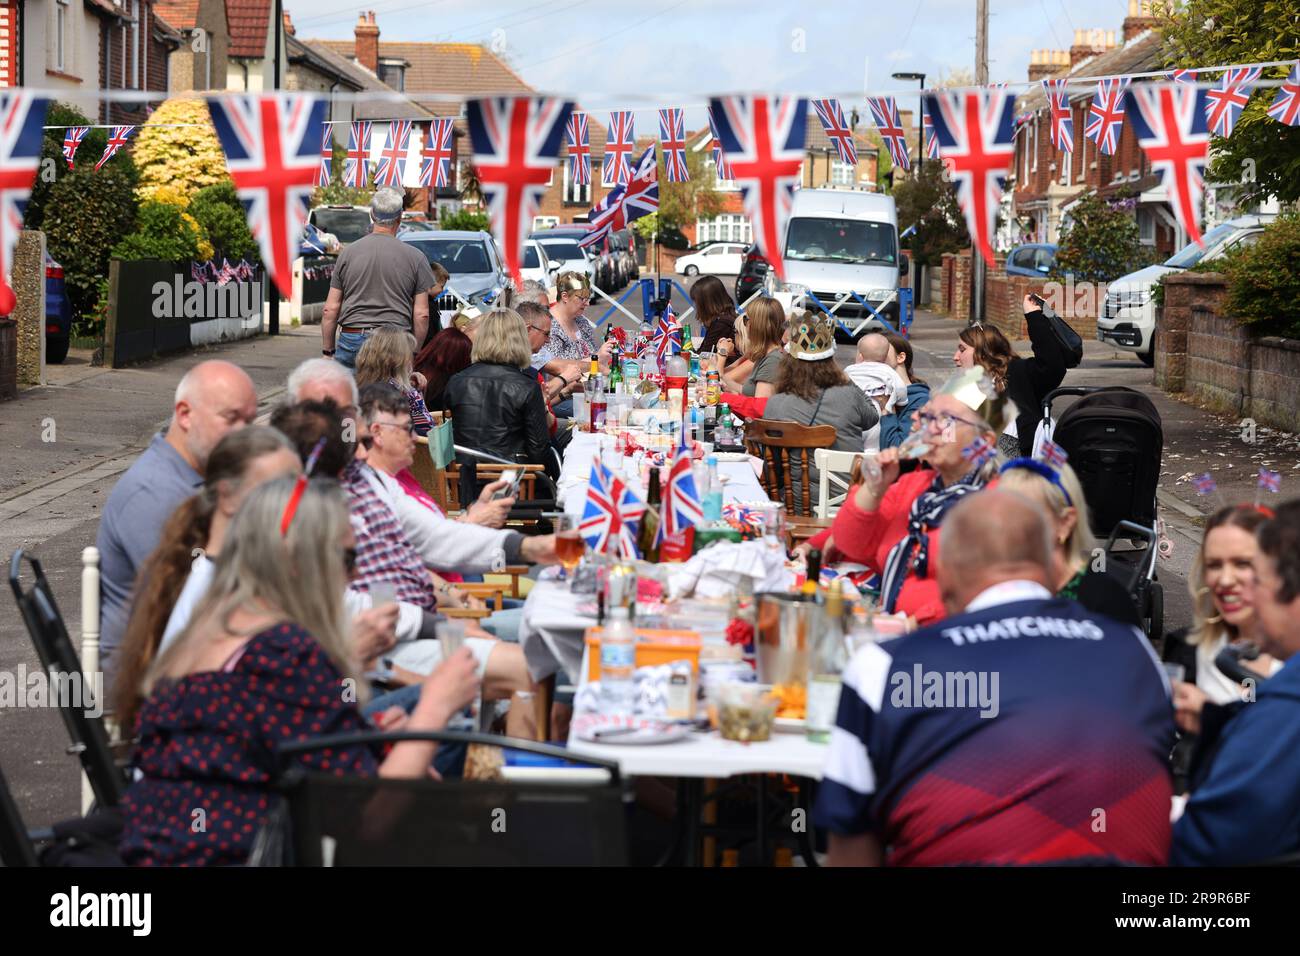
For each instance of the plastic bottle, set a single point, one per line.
(826, 666)
(598, 402)
(618, 664)
(713, 494)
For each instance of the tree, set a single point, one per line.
(338, 193)
(186, 158)
(471, 221)
(220, 214)
(681, 204)
(930, 202)
(1262, 154)
(1101, 242)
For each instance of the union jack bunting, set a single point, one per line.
(435, 166)
(326, 155)
(721, 169)
(1225, 102)
(21, 117)
(620, 139)
(1053, 454)
(270, 142)
(884, 110)
(392, 158)
(979, 451)
(116, 140)
(672, 139)
(612, 513)
(931, 144)
(681, 503)
(1106, 115)
(579, 143)
(973, 129)
(1270, 480)
(1171, 128)
(199, 273)
(1061, 128)
(831, 113)
(227, 272)
(516, 140)
(667, 336)
(72, 140)
(1182, 76)
(356, 167)
(625, 204)
(763, 140)
(1285, 107)
(1205, 484)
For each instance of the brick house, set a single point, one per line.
(253, 39)
(1046, 181)
(201, 61)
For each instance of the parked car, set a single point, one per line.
(603, 258)
(753, 274)
(565, 250)
(477, 270)
(1034, 259)
(58, 313)
(622, 245)
(347, 223)
(845, 241)
(1128, 320)
(537, 264)
(717, 259)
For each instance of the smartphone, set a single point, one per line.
(1038, 299)
(510, 490)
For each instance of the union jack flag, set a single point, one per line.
(1170, 124)
(612, 513)
(516, 141)
(199, 273)
(721, 168)
(1053, 454)
(227, 272)
(974, 131)
(831, 113)
(931, 144)
(71, 140)
(116, 140)
(1182, 76)
(624, 204)
(620, 140)
(326, 155)
(269, 141)
(681, 506)
(1270, 480)
(884, 110)
(392, 158)
(435, 167)
(1225, 102)
(21, 117)
(672, 138)
(742, 516)
(979, 452)
(1061, 129)
(579, 142)
(667, 336)
(763, 139)
(356, 167)
(1285, 108)
(1106, 115)
(1205, 484)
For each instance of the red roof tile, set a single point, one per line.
(249, 23)
(181, 14)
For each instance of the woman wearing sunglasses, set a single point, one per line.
(266, 659)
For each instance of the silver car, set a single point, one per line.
(473, 260)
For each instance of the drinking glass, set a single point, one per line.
(1177, 673)
(569, 546)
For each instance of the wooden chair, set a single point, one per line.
(433, 480)
(786, 447)
(489, 472)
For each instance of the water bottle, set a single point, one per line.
(713, 495)
(618, 664)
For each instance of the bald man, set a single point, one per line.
(1021, 729)
(212, 399)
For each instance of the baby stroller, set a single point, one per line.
(1114, 439)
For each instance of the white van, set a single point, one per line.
(845, 241)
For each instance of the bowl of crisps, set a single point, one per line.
(745, 711)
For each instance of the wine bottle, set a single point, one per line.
(647, 535)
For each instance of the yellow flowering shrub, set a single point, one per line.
(178, 161)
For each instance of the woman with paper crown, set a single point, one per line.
(811, 389)
(1026, 381)
(890, 522)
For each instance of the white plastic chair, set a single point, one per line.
(834, 468)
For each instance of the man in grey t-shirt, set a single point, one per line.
(378, 281)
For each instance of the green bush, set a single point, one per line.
(929, 202)
(1264, 279)
(219, 212)
(163, 231)
(1101, 243)
(471, 221)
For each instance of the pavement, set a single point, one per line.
(67, 443)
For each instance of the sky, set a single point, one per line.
(617, 53)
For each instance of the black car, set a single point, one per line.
(753, 272)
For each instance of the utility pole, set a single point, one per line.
(981, 79)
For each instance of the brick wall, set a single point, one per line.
(9, 16)
(1004, 297)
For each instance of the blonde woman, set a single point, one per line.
(761, 333)
(389, 356)
(1080, 572)
(265, 660)
(496, 404)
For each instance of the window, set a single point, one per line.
(1146, 227)
(394, 74)
(573, 193)
(61, 36)
(728, 227)
(843, 174)
(1033, 144)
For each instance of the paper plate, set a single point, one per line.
(789, 725)
(643, 732)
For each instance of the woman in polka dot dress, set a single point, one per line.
(266, 660)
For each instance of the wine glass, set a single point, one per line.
(569, 546)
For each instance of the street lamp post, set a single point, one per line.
(920, 118)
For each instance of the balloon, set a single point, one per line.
(8, 301)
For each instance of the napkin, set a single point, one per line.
(651, 699)
(719, 569)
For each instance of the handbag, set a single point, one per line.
(442, 446)
(1068, 339)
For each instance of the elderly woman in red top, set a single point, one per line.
(889, 523)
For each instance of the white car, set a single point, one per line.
(538, 265)
(1128, 316)
(571, 256)
(719, 259)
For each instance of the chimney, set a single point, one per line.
(288, 24)
(366, 50)
(1044, 63)
(1088, 43)
(1139, 19)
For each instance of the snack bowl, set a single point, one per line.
(745, 711)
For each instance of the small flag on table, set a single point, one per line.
(612, 513)
(668, 335)
(1205, 484)
(682, 509)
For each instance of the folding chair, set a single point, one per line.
(835, 470)
(89, 735)
(328, 820)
